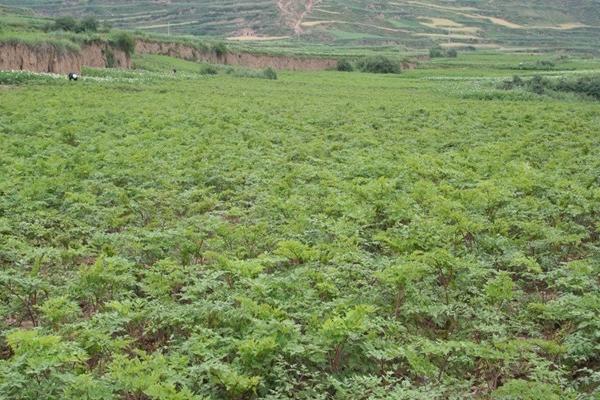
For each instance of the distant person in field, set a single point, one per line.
(73, 76)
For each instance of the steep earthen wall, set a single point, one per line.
(47, 58)
(234, 58)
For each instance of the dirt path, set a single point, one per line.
(294, 15)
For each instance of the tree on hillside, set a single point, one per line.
(89, 24)
(67, 24)
(436, 52)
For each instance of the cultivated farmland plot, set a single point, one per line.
(321, 236)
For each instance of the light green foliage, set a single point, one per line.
(153, 375)
(501, 288)
(59, 310)
(522, 390)
(325, 235)
(41, 366)
(295, 252)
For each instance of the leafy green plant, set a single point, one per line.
(338, 331)
(267, 241)
(522, 390)
(295, 251)
(41, 366)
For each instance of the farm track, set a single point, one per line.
(294, 18)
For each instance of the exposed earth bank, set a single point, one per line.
(234, 58)
(49, 58)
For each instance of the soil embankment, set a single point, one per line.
(50, 58)
(248, 60)
(53, 59)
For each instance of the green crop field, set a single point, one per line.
(428, 235)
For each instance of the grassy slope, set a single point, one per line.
(361, 22)
(332, 233)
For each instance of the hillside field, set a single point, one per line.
(320, 236)
(507, 25)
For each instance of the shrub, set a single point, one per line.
(270, 73)
(511, 84)
(220, 49)
(67, 24)
(123, 41)
(452, 53)
(110, 58)
(106, 27)
(89, 24)
(436, 52)
(208, 70)
(537, 85)
(588, 86)
(344, 65)
(379, 65)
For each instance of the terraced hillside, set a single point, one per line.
(531, 24)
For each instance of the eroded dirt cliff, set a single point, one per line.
(235, 58)
(49, 58)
